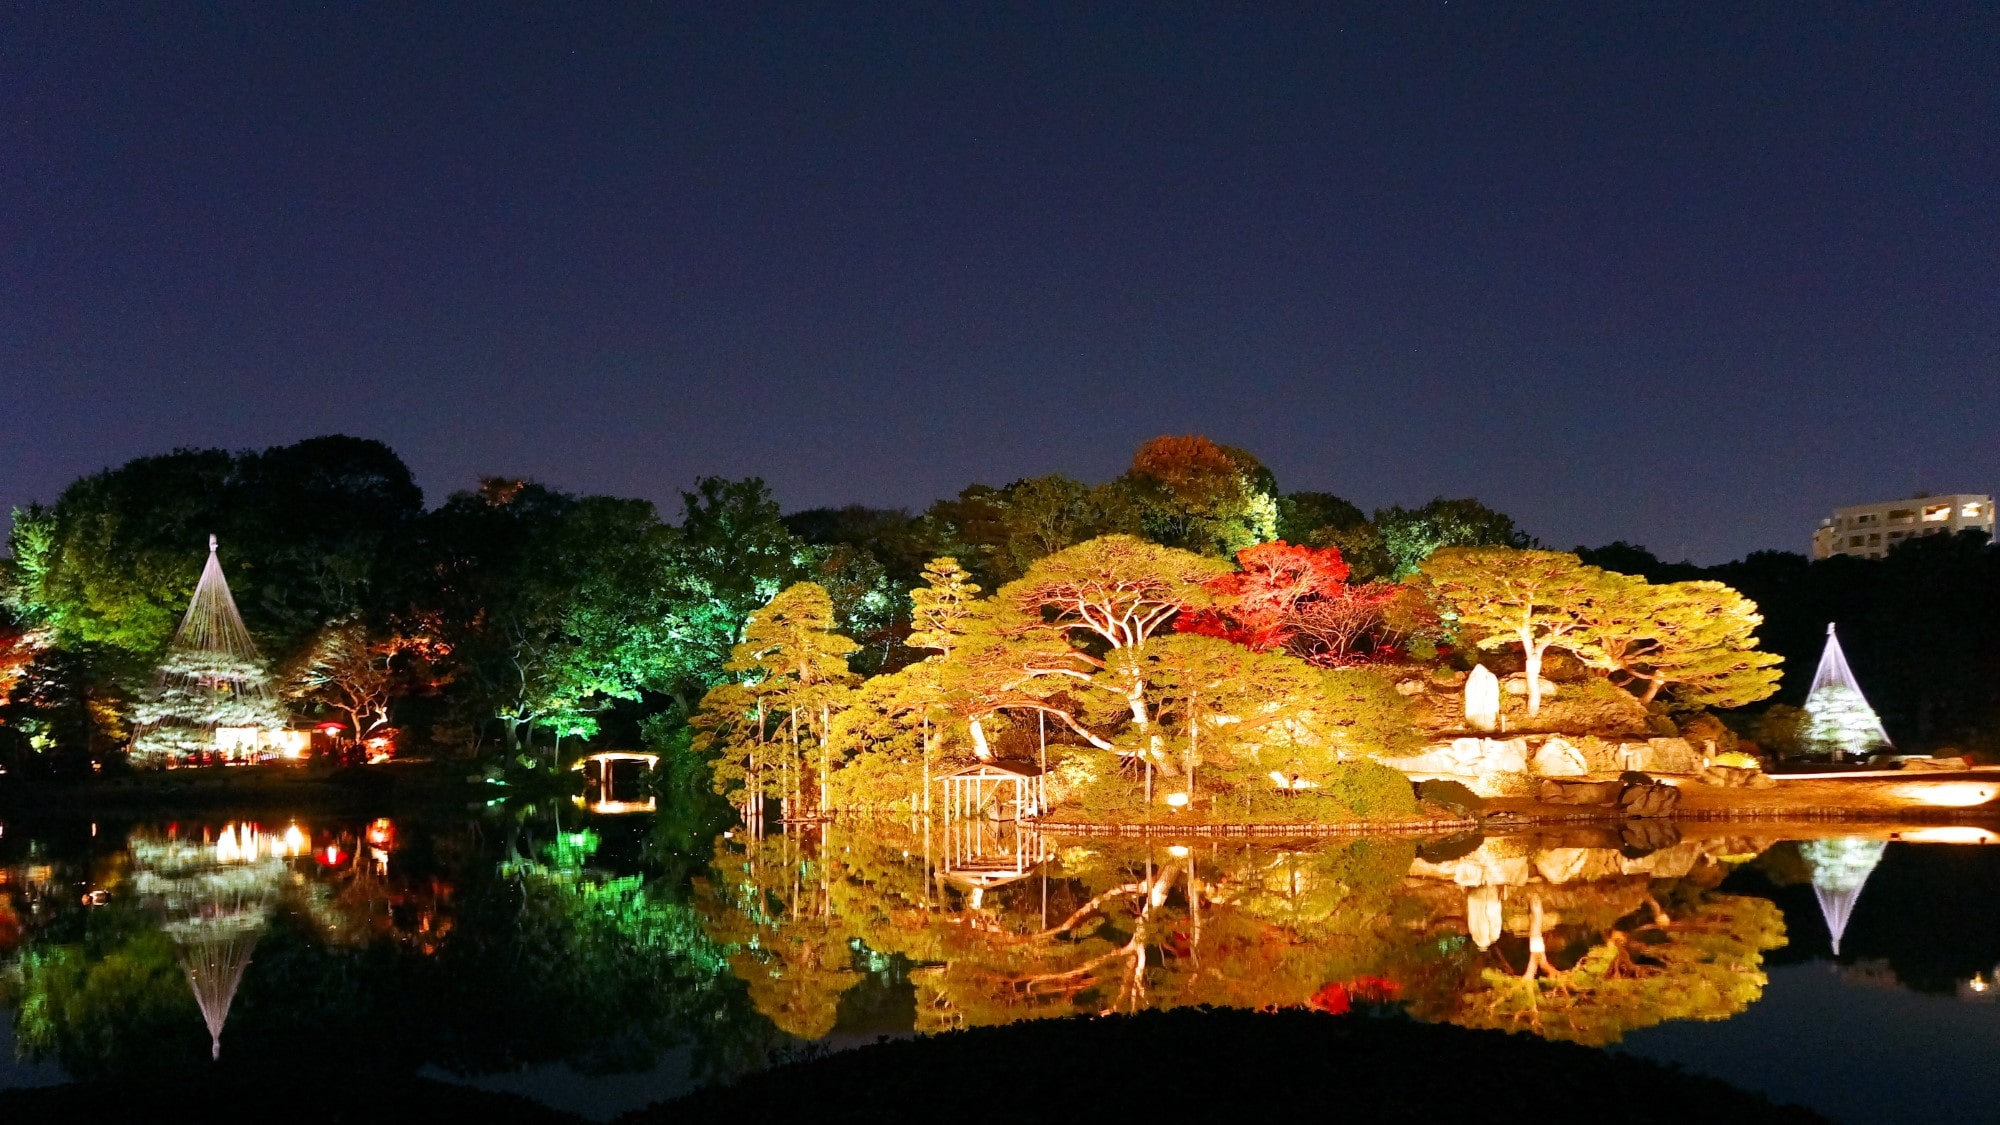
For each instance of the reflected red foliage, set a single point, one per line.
(1338, 998)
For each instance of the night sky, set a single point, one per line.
(1689, 275)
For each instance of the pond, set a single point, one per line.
(599, 963)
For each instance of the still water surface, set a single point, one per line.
(602, 963)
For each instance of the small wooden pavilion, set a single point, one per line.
(995, 791)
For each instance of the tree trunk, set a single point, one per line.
(1533, 671)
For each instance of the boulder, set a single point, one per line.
(1924, 765)
(1503, 756)
(1662, 755)
(1651, 799)
(1557, 758)
(1409, 687)
(1728, 777)
(1518, 685)
(1553, 792)
(1639, 838)
(1467, 757)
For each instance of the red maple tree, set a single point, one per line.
(1297, 599)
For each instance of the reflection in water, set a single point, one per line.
(1840, 867)
(528, 938)
(615, 783)
(1572, 938)
(214, 901)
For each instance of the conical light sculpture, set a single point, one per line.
(1839, 722)
(211, 680)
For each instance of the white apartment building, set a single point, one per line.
(1869, 530)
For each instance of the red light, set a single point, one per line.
(332, 856)
(330, 727)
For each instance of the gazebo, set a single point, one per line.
(995, 791)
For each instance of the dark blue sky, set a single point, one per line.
(1688, 275)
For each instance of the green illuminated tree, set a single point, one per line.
(1411, 535)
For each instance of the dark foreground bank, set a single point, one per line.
(1207, 1064)
(1211, 1064)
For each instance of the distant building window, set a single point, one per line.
(1936, 512)
(1902, 515)
(1970, 511)
(1874, 539)
(1895, 535)
(1854, 541)
(1868, 517)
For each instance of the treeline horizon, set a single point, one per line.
(624, 617)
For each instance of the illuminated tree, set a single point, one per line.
(1302, 515)
(1243, 716)
(1111, 594)
(1496, 596)
(211, 678)
(942, 609)
(1706, 964)
(793, 668)
(349, 669)
(1410, 536)
(730, 554)
(1693, 642)
(542, 608)
(1259, 605)
(1194, 494)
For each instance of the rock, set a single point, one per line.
(1761, 780)
(1466, 757)
(1557, 758)
(1643, 837)
(1599, 755)
(1662, 755)
(1577, 865)
(1409, 687)
(1728, 777)
(1554, 792)
(1926, 765)
(1651, 799)
(1518, 685)
(1509, 756)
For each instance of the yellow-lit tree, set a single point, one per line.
(1692, 642)
(1497, 596)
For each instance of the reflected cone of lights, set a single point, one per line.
(212, 908)
(1839, 870)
